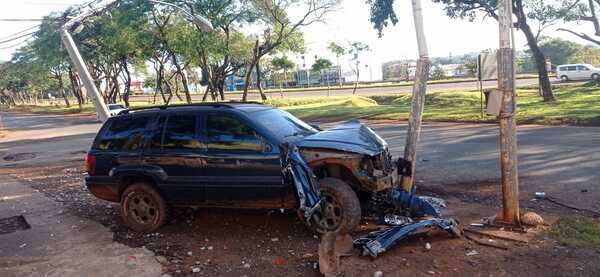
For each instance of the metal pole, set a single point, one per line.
(418, 100)
(86, 78)
(508, 126)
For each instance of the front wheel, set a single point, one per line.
(595, 76)
(564, 78)
(143, 209)
(340, 209)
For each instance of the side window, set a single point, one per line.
(582, 68)
(228, 133)
(180, 133)
(562, 68)
(572, 68)
(124, 134)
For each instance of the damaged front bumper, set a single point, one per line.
(380, 241)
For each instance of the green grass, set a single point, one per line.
(577, 232)
(575, 104)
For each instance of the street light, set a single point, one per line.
(201, 22)
(75, 25)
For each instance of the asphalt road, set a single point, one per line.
(360, 91)
(555, 159)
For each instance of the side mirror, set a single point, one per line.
(316, 126)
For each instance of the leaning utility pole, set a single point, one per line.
(418, 99)
(508, 124)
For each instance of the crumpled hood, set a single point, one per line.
(351, 136)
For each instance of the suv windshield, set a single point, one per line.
(283, 124)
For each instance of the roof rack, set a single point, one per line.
(214, 104)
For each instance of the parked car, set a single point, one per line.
(570, 72)
(115, 109)
(235, 155)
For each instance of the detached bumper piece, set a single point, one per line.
(417, 206)
(380, 241)
(305, 181)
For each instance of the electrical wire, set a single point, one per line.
(20, 32)
(15, 45)
(13, 39)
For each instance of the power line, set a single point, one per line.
(20, 19)
(15, 45)
(13, 39)
(20, 32)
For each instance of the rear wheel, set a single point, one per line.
(340, 208)
(143, 209)
(595, 76)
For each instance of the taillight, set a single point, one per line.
(90, 164)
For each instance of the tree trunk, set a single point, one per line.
(258, 82)
(127, 82)
(249, 71)
(61, 88)
(357, 78)
(76, 89)
(538, 55)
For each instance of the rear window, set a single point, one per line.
(124, 134)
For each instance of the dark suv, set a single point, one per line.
(239, 155)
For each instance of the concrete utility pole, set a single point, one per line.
(84, 74)
(94, 9)
(508, 124)
(418, 100)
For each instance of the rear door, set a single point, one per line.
(242, 167)
(120, 143)
(175, 147)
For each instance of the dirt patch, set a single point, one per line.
(221, 242)
(19, 157)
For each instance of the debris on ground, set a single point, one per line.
(532, 219)
(380, 241)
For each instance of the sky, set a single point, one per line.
(445, 36)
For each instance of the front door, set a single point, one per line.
(175, 148)
(242, 168)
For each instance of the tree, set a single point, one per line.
(438, 73)
(283, 63)
(321, 64)
(560, 51)
(540, 13)
(356, 48)
(281, 31)
(338, 51)
(586, 12)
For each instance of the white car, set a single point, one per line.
(115, 109)
(569, 72)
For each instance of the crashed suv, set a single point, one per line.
(235, 155)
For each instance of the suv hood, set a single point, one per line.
(351, 136)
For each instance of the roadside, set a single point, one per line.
(458, 163)
(575, 105)
(47, 239)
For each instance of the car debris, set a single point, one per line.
(377, 242)
(306, 183)
(416, 206)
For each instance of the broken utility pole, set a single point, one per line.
(418, 100)
(508, 124)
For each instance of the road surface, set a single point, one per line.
(360, 91)
(551, 158)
